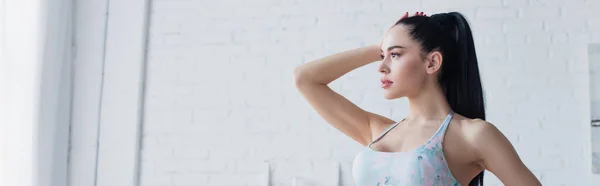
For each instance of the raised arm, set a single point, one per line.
(312, 79)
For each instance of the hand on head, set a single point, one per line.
(416, 14)
(403, 16)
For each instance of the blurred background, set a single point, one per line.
(198, 92)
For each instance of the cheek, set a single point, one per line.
(408, 71)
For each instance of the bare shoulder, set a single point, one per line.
(483, 137)
(477, 131)
(488, 148)
(476, 128)
(470, 127)
(494, 152)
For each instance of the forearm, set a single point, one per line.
(329, 68)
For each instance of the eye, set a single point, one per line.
(382, 56)
(394, 54)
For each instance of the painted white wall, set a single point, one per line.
(54, 105)
(108, 92)
(20, 65)
(37, 89)
(220, 98)
(88, 64)
(122, 94)
(594, 68)
(36, 79)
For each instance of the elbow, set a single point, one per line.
(300, 76)
(305, 76)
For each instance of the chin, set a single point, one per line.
(391, 94)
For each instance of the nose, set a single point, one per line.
(383, 68)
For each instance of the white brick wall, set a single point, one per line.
(221, 105)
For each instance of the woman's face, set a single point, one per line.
(403, 70)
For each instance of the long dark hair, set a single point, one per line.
(450, 34)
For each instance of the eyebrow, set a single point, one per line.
(392, 47)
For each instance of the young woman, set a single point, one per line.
(445, 139)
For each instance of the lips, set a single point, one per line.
(385, 83)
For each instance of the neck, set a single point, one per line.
(429, 104)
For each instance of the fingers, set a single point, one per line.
(404, 16)
(416, 14)
(419, 14)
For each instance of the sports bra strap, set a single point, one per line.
(385, 132)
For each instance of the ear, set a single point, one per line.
(434, 62)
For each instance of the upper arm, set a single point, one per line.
(340, 112)
(498, 156)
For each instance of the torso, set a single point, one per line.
(403, 140)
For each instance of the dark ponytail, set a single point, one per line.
(450, 34)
